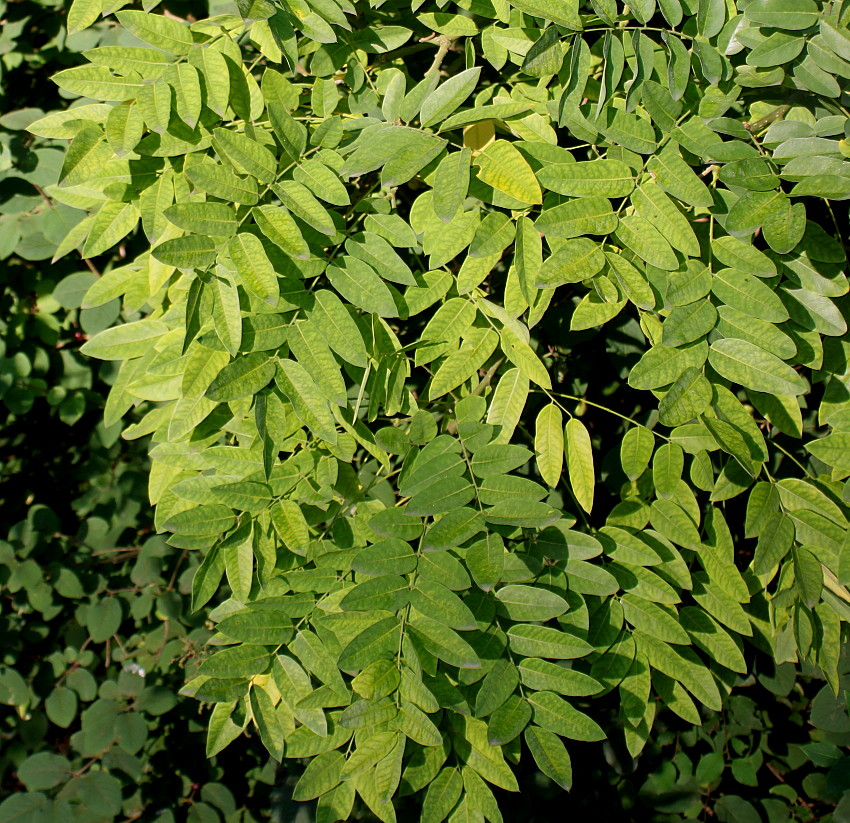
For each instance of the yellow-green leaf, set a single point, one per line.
(580, 462)
(501, 166)
(549, 444)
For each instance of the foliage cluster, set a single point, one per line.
(93, 607)
(397, 272)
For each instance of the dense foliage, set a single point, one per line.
(94, 608)
(384, 256)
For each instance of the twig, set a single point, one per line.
(445, 45)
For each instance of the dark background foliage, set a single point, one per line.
(96, 626)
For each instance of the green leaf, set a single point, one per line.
(244, 376)
(155, 102)
(245, 154)
(61, 706)
(239, 558)
(389, 592)
(322, 181)
(541, 675)
(735, 323)
(442, 796)
(494, 234)
(528, 255)
(834, 450)
(445, 496)
(667, 467)
(254, 267)
(540, 641)
(450, 321)
(192, 252)
(782, 14)
(321, 775)
(585, 215)
(291, 133)
(508, 403)
(485, 560)
(604, 178)
(653, 619)
(379, 640)
(227, 314)
(391, 556)
(501, 166)
(379, 254)
(444, 643)
(546, 56)
(660, 211)
(98, 83)
(522, 511)
(662, 365)
(434, 600)
(277, 224)
(237, 661)
(549, 444)
(452, 529)
(44, 771)
(212, 66)
(267, 722)
(207, 578)
(740, 255)
(186, 81)
(82, 14)
(749, 295)
(649, 244)
(309, 404)
(574, 261)
(675, 524)
(508, 721)
(687, 398)
(636, 451)
(556, 715)
(308, 345)
(525, 603)
(522, 356)
(580, 462)
(710, 636)
(751, 366)
(460, 366)
(752, 209)
(224, 183)
(203, 218)
(499, 459)
(675, 176)
(446, 98)
(163, 32)
(681, 664)
(289, 523)
(808, 575)
(300, 201)
(125, 342)
(452, 25)
(124, 128)
(112, 223)
(259, 626)
(751, 173)
(550, 755)
(451, 183)
(395, 523)
(359, 284)
(341, 332)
